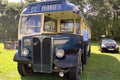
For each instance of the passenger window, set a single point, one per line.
(50, 24)
(78, 27)
(67, 25)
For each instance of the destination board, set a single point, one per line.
(51, 7)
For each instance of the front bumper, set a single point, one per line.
(110, 49)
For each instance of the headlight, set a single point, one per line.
(102, 45)
(60, 53)
(117, 46)
(25, 52)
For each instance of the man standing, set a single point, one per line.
(85, 44)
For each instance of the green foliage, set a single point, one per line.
(9, 20)
(29, 1)
(103, 16)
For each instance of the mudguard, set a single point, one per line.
(21, 59)
(69, 61)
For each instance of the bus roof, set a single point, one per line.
(50, 6)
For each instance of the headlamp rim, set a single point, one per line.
(25, 52)
(57, 53)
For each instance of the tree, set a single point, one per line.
(10, 18)
(103, 16)
(29, 1)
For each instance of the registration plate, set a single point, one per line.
(111, 49)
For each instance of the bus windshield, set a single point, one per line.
(30, 24)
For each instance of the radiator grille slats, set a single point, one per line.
(37, 51)
(46, 50)
(42, 54)
(36, 54)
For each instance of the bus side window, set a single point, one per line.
(50, 24)
(78, 27)
(67, 25)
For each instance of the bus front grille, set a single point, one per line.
(36, 54)
(47, 56)
(42, 54)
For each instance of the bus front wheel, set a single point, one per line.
(24, 69)
(75, 73)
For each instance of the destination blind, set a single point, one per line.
(51, 7)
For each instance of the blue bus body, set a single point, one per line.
(62, 50)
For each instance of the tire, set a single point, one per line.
(117, 51)
(102, 50)
(24, 69)
(75, 73)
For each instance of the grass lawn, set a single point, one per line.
(100, 66)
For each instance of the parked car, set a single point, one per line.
(108, 45)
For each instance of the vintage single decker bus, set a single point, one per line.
(54, 36)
